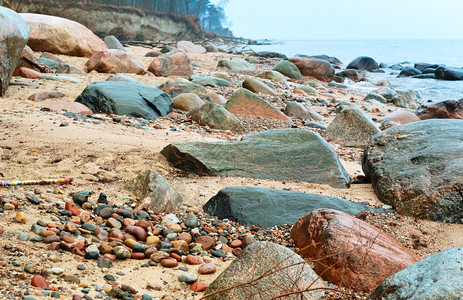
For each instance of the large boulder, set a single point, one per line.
(61, 36)
(176, 88)
(269, 207)
(288, 69)
(347, 251)
(257, 86)
(236, 64)
(14, 34)
(297, 110)
(187, 101)
(244, 102)
(215, 116)
(409, 71)
(266, 271)
(189, 47)
(407, 99)
(290, 154)
(447, 109)
(126, 98)
(352, 74)
(317, 68)
(363, 63)
(418, 169)
(154, 192)
(173, 63)
(438, 276)
(446, 73)
(351, 127)
(113, 61)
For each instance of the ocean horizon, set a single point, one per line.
(403, 51)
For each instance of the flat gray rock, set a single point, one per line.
(126, 98)
(438, 276)
(269, 207)
(281, 154)
(418, 169)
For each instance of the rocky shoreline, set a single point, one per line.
(199, 172)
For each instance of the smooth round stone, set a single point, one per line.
(51, 239)
(152, 240)
(185, 236)
(138, 248)
(191, 221)
(92, 248)
(20, 217)
(92, 255)
(57, 270)
(88, 226)
(219, 253)
(199, 286)
(23, 237)
(126, 214)
(169, 263)
(103, 198)
(170, 219)
(121, 252)
(106, 212)
(104, 263)
(109, 277)
(146, 297)
(187, 277)
(113, 223)
(141, 214)
(130, 243)
(8, 206)
(193, 260)
(172, 236)
(176, 228)
(207, 269)
(166, 231)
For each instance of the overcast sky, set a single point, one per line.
(346, 19)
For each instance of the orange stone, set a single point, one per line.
(199, 286)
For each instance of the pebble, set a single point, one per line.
(191, 221)
(121, 252)
(23, 237)
(92, 255)
(176, 228)
(104, 263)
(8, 206)
(199, 286)
(192, 260)
(169, 263)
(39, 281)
(109, 277)
(57, 270)
(20, 217)
(207, 269)
(187, 277)
(159, 256)
(169, 220)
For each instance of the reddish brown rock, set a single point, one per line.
(68, 239)
(401, 117)
(159, 256)
(44, 95)
(40, 282)
(46, 233)
(199, 286)
(180, 244)
(138, 255)
(207, 269)
(448, 109)
(248, 240)
(51, 239)
(189, 47)
(74, 107)
(176, 256)
(113, 61)
(174, 63)
(206, 242)
(137, 232)
(352, 74)
(1, 230)
(348, 251)
(169, 262)
(236, 243)
(192, 260)
(27, 73)
(72, 208)
(244, 102)
(185, 236)
(61, 36)
(317, 68)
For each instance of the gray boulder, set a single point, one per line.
(154, 192)
(215, 116)
(376, 97)
(288, 69)
(284, 154)
(297, 110)
(269, 207)
(113, 43)
(236, 64)
(407, 99)
(446, 73)
(126, 98)
(266, 271)
(14, 34)
(418, 169)
(209, 81)
(351, 127)
(438, 276)
(363, 63)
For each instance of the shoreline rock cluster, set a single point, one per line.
(412, 160)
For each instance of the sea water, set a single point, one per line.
(406, 52)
